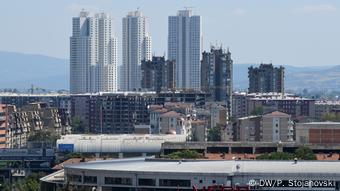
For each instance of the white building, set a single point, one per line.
(136, 47)
(186, 175)
(93, 54)
(122, 143)
(185, 47)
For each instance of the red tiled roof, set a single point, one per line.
(277, 113)
(171, 114)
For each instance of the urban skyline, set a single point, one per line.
(155, 85)
(292, 23)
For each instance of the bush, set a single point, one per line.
(305, 153)
(302, 153)
(276, 156)
(185, 154)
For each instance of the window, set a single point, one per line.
(174, 183)
(74, 178)
(118, 180)
(146, 182)
(90, 179)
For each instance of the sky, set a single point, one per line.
(289, 32)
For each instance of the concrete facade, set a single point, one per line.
(158, 74)
(266, 78)
(277, 127)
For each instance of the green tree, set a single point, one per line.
(302, 153)
(6, 187)
(276, 156)
(214, 134)
(185, 154)
(305, 153)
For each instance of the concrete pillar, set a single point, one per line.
(254, 150)
(229, 150)
(120, 155)
(143, 154)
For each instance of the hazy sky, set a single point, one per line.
(289, 32)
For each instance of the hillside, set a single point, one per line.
(21, 70)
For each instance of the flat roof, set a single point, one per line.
(209, 166)
(321, 123)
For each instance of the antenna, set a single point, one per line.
(188, 8)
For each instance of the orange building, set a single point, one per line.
(3, 125)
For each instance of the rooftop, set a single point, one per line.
(277, 113)
(322, 123)
(210, 166)
(171, 114)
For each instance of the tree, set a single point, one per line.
(6, 187)
(302, 153)
(276, 156)
(305, 153)
(214, 134)
(185, 154)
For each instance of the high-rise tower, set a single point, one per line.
(93, 54)
(266, 78)
(136, 47)
(185, 47)
(217, 76)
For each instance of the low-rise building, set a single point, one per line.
(324, 107)
(199, 130)
(272, 127)
(277, 127)
(318, 133)
(247, 129)
(16, 124)
(187, 175)
(261, 103)
(115, 113)
(3, 125)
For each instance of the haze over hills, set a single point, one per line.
(296, 78)
(21, 70)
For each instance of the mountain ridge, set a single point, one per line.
(21, 70)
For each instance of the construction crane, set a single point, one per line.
(35, 88)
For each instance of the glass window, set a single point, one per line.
(74, 178)
(174, 183)
(118, 180)
(146, 182)
(90, 179)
